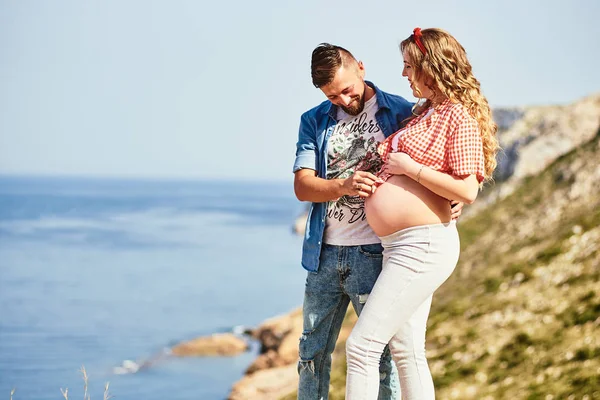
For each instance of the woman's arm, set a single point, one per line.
(452, 187)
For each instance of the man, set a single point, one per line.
(336, 159)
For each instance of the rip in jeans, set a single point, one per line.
(304, 365)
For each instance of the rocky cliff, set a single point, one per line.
(532, 138)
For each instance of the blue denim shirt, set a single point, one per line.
(316, 126)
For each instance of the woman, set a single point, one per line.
(445, 152)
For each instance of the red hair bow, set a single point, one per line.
(418, 35)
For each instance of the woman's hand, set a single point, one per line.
(399, 164)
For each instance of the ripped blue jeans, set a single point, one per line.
(346, 275)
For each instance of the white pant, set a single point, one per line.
(416, 261)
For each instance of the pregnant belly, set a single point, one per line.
(402, 203)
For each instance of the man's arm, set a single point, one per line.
(309, 187)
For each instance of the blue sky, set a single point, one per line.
(214, 90)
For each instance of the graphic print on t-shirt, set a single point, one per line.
(352, 147)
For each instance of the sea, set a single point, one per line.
(108, 273)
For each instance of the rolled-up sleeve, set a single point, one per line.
(306, 148)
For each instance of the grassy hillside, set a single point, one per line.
(519, 318)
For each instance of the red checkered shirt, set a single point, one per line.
(447, 141)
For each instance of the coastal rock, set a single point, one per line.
(268, 384)
(274, 372)
(279, 341)
(223, 344)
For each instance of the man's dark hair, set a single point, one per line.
(326, 60)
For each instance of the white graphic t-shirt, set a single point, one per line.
(352, 147)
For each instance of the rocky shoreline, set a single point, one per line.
(279, 341)
(273, 373)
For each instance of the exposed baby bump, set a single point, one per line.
(401, 203)
(388, 199)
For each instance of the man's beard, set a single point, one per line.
(357, 106)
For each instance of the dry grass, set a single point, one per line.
(86, 396)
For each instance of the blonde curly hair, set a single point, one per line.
(445, 67)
